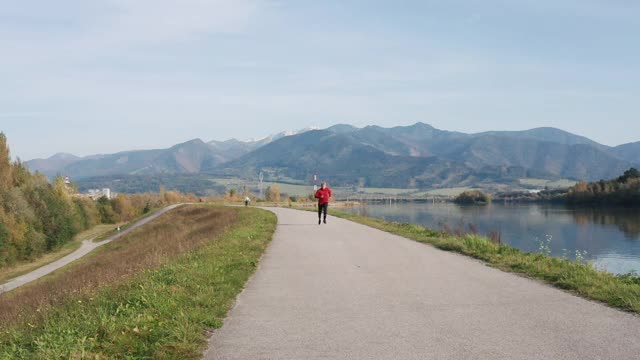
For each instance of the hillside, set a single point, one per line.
(51, 166)
(402, 156)
(629, 152)
(184, 158)
(546, 134)
(187, 157)
(342, 159)
(546, 159)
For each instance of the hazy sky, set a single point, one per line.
(108, 75)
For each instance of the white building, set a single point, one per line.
(96, 194)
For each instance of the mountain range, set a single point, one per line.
(416, 156)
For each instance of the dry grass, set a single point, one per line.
(175, 232)
(22, 268)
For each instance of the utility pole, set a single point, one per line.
(261, 177)
(315, 181)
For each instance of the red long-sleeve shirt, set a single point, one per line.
(323, 195)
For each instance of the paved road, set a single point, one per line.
(346, 291)
(86, 247)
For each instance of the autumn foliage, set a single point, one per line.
(38, 216)
(624, 191)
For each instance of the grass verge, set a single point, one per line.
(192, 273)
(22, 268)
(619, 291)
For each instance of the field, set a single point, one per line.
(444, 192)
(293, 190)
(385, 191)
(551, 184)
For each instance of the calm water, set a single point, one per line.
(611, 237)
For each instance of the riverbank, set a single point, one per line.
(619, 291)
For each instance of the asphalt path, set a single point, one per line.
(347, 291)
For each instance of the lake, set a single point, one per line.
(611, 237)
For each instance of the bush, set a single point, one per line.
(473, 197)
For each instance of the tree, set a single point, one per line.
(107, 215)
(273, 193)
(232, 195)
(6, 179)
(21, 174)
(87, 211)
(123, 208)
(632, 173)
(624, 190)
(171, 197)
(4, 237)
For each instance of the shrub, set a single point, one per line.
(473, 197)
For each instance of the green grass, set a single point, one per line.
(161, 313)
(622, 292)
(293, 190)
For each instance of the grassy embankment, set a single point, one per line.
(619, 291)
(23, 267)
(113, 228)
(97, 233)
(154, 293)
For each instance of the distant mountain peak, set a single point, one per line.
(342, 128)
(420, 124)
(250, 140)
(64, 156)
(272, 137)
(193, 141)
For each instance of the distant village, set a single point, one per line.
(94, 194)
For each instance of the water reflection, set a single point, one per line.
(627, 220)
(611, 237)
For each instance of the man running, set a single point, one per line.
(323, 195)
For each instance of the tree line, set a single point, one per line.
(38, 216)
(623, 191)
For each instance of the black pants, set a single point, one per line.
(323, 208)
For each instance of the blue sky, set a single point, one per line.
(102, 76)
